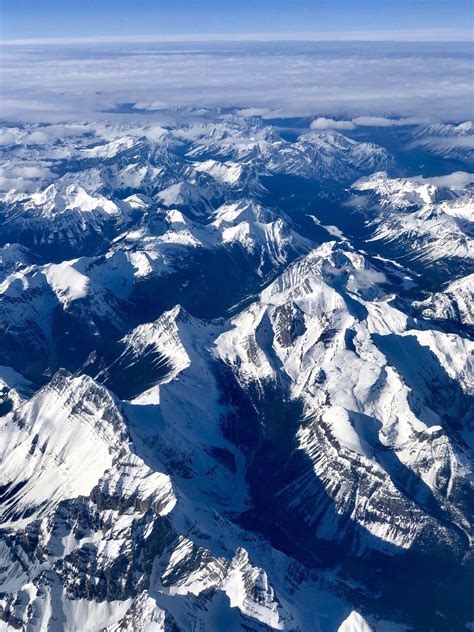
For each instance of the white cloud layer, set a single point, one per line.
(456, 180)
(365, 121)
(386, 35)
(329, 123)
(359, 83)
(382, 121)
(23, 177)
(7, 138)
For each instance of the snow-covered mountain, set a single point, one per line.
(454, 303)
(324, 154)
(236, 379)
(326, 335)
(447, 139)
(425, 221)
(57, 221)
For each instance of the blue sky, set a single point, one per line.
(34, 19)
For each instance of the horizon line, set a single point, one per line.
(408, 35)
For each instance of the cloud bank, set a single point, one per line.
(385, 35)
(328, 123)
(352, 82)
(456, 180)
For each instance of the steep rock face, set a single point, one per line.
(57, 445)
(151, 354)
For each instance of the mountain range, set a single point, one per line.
(236, 377)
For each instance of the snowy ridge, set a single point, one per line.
(316, 154)
(436, 224)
